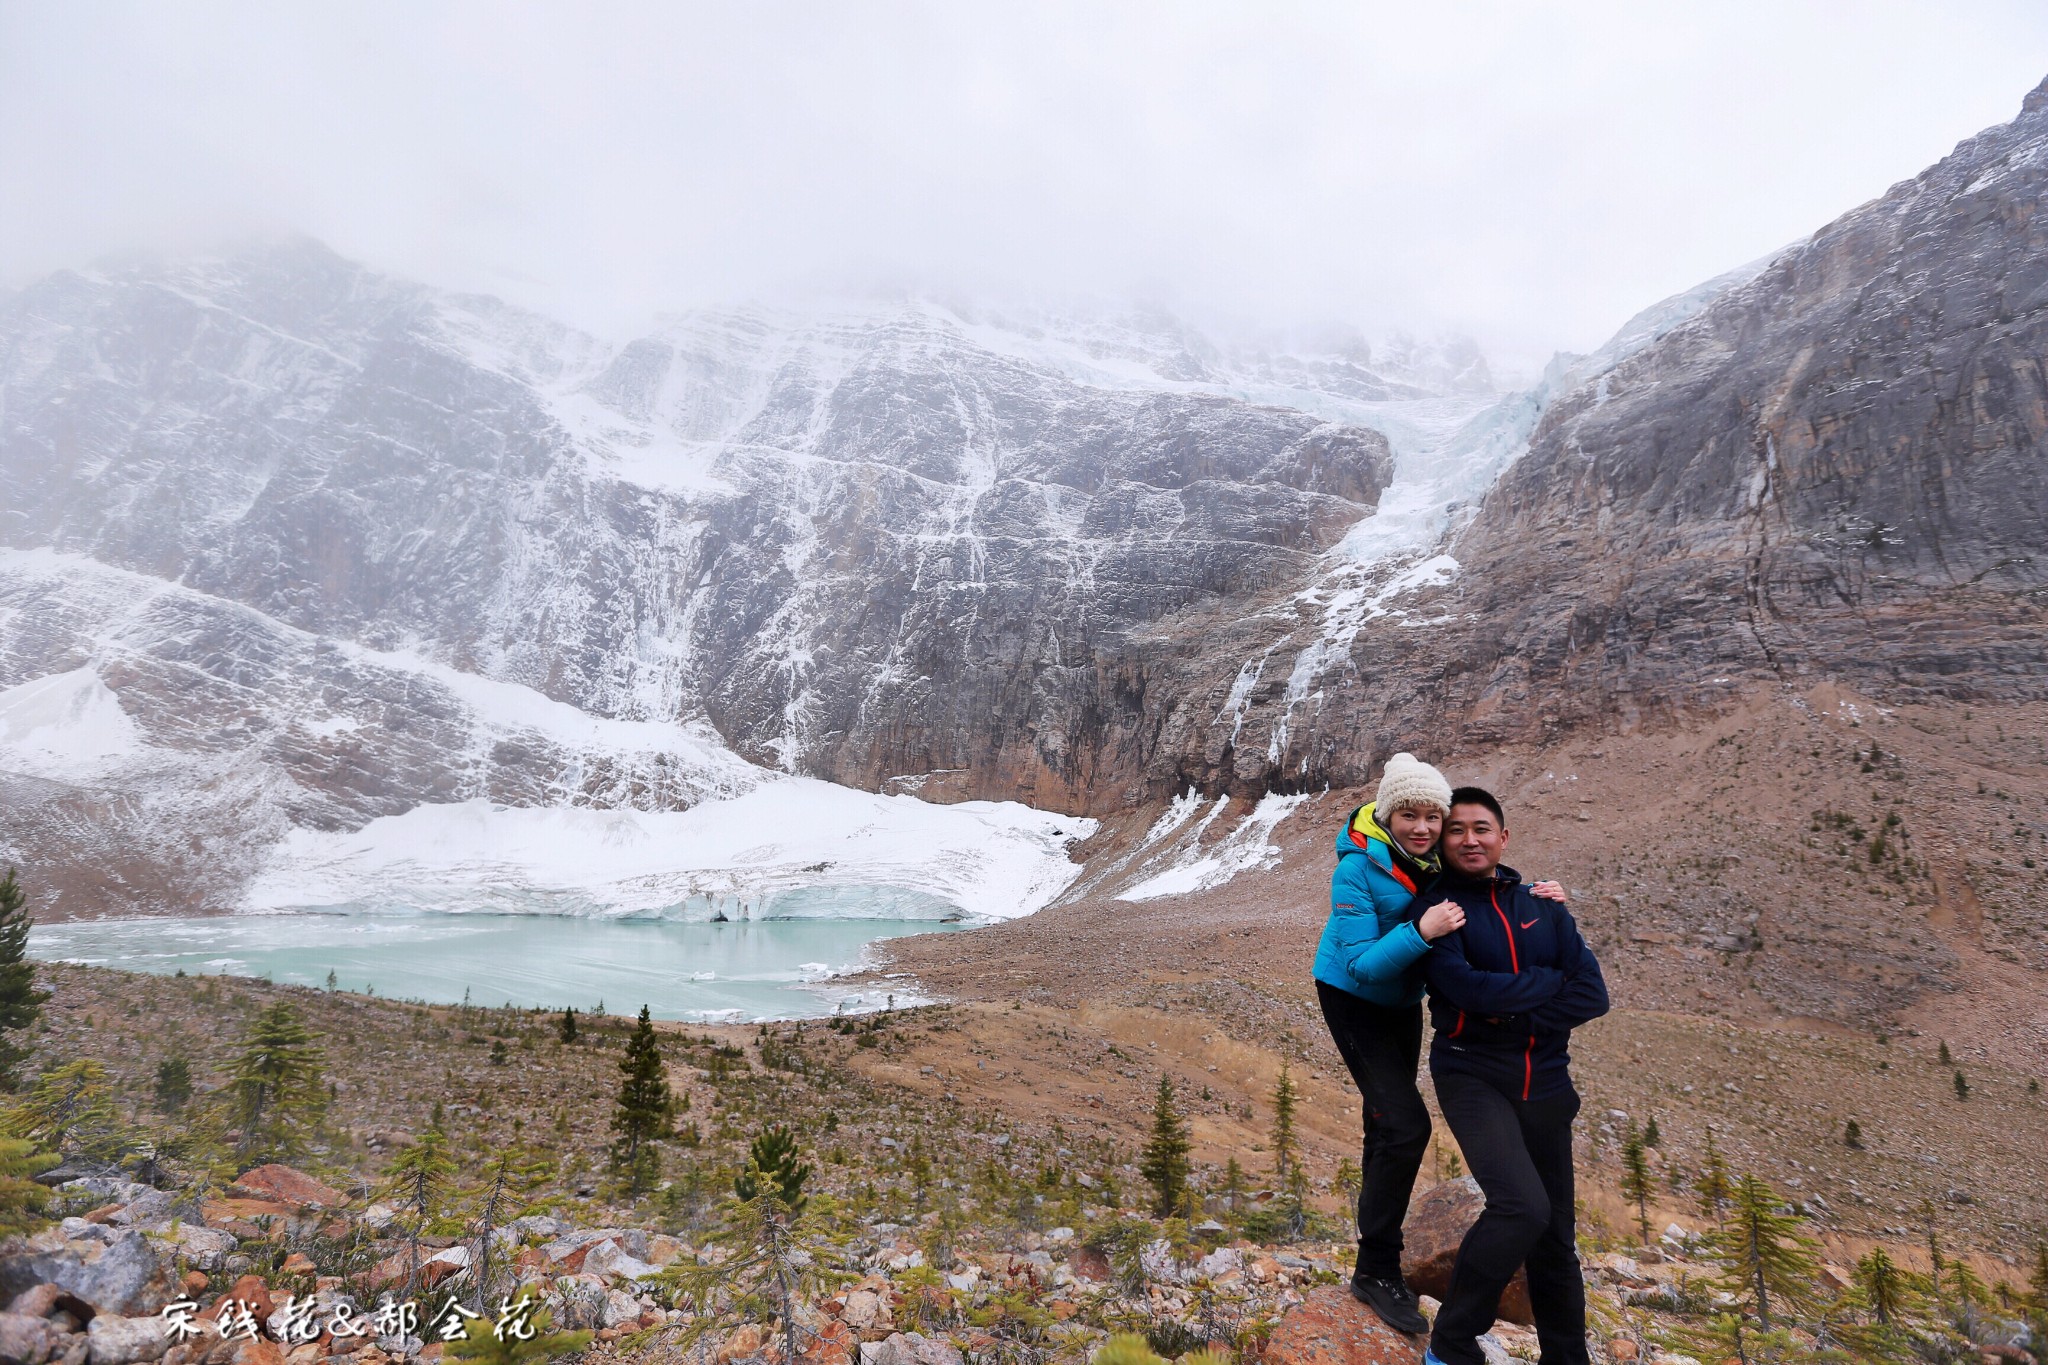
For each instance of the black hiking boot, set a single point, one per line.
(1392, 1300)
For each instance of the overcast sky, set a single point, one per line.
(1531, 174)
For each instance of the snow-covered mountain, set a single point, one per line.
(291, 546)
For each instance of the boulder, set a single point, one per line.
(608, 1260)
(126, 1341)
(620, 1308)
(1437, 1223)
(115, 1271)
(283, 1185)
(54, 1302)
(1332, 1328)
(910, 1348)
(31, 1340)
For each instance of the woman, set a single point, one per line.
(1369, 983)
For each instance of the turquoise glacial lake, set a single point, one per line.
(680, 969)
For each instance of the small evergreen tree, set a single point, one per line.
(1852, 1135)
(1962, 1087)
(1286, 1145)
(70, 1111)
(780, 1255)
(21, 1001)
(173, 1084)
(2037, 1277)
(1715, 1187)
(1947, 1058)
(1233, 1184)
(566, 1029)
(1652, 1137)
(642, 1113)
(421, 1179)
(1635, 1179)
(278, 1092)
(774, 1170)
(1885, 1288)
(1767, 1260)
(1165, 1160)
(23, 1202)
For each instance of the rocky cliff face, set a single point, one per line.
(1831, 467)
(268, 519)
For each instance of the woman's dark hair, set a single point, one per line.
(1479, 796)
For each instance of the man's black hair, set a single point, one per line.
(1479, 796)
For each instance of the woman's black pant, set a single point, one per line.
(1381, 1047)
(1520, 1152)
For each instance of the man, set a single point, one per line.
(1505, 992)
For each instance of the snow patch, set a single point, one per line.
(1245, 848)
(65, 726)
(750, 857)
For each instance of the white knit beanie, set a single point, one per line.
(1408, 781)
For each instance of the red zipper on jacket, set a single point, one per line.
(1515, 961)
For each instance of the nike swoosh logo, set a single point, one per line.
(1527, 923)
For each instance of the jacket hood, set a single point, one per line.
(1364, 827)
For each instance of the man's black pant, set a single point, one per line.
(1520, 1151)
(1381, 1046)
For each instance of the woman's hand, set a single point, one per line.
(1550, 891)
(1441, 919)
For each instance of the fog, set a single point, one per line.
(1529, 175)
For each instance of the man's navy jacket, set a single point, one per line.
(1506, 991)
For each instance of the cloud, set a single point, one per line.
(1530, 174)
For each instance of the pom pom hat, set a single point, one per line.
(1408, 781)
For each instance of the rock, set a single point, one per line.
(1436, 1224)
(284, 1185)
(1332, 1328)
(834, 1344)
(663, 1249)
(55, 1302)
(298, 1263)
(29, 1339)
(122, 1274)
(608, 1260)
(910, 1348)
(865, 1311)
(1221, 1261)
(620, 1308)
(125, 1341)
(1622, 1349)
(741, 1343)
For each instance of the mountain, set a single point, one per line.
(290, 545)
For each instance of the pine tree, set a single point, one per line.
(1233, 1184)
(173, 1084)
(1715, 1188)
(1935, 1278)
(70, 1111)
(1765, 1257)
(277, 1089)
(421, 1179)
(1852, 1135)
(1884, 1287)
(642, 1113)
(774, 1170)
(1962, 1087)
(566, 1029)
(23, 1202)
(1947, 1058)
(1165, 1160)
(1286, 1145)
(1651, 1137)
(779, 1254)
(21, 1001)
(2037, 1277)
(1635, 1179)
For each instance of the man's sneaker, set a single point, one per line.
(1430, 1357)
(1392, 1300)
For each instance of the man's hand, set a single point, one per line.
(1550, 891)
(1441, 919)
